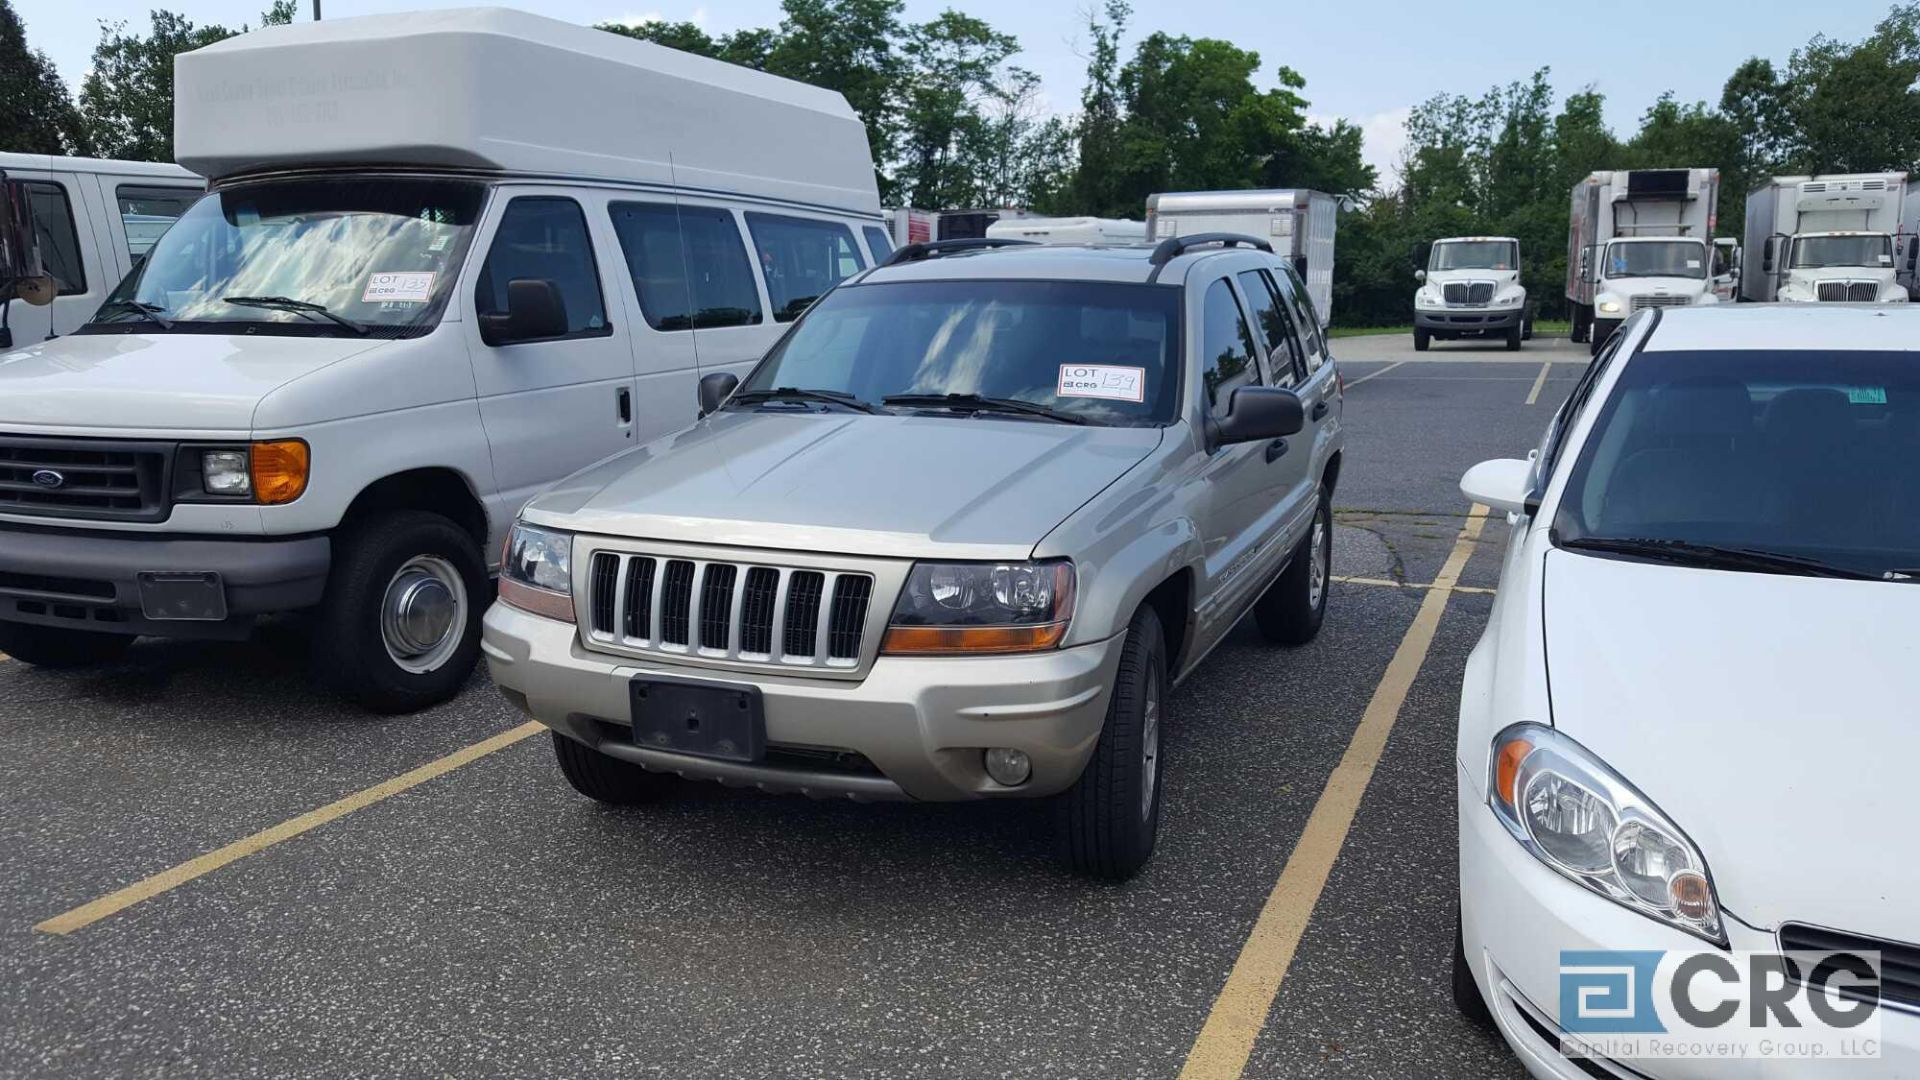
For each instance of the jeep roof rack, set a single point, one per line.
(1175, 246)
(933, 249)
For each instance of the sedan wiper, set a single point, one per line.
(978, 404)
(152, 312)
(300, 307)
(792, 393)
(1713, 556)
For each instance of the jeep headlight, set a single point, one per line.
(1578, 816)
(982, 607)
(536, 573)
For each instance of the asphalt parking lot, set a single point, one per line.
(449, 907)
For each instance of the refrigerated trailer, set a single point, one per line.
(1299, 223)
(1639, 238)
(1070, 230)
(1832, 238)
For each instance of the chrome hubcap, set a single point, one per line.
(1150, 745)
(1318, 559)
(423, 613)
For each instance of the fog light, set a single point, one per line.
(1009, 768)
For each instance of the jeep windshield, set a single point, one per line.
(1474, 255)
(1815, 252)
(1099, 352)
(316, 257)
(1657, 258)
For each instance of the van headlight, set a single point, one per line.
(982, 607)
(536, 573)
(1582, 819)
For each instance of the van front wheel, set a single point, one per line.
(399, 628)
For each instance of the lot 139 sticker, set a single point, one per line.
(399, 286)
(1103, 381)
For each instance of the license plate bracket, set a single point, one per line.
(705, 719)
(182, 596)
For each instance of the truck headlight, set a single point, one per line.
(1610, 306)
(270, 473)
(536, 573)
(226, 472)
(985, 607)
(1582, 819)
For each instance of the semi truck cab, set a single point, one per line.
(1837, 266)
(1470, 287)
(1637, 272)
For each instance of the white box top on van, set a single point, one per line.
(1070, 230)
(504, 91)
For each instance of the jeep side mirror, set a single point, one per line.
(535, 311)
(1260, 412)
(715, 389)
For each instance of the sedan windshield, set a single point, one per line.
(1656, 258)
(320, 257)
(1475, 255)
(1810, 252)
(1096, 352)
(1784, 461)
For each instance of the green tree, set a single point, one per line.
(1095, 187)
(685, 36)
(851, 46)
(127, 99)
(954, 63)
(1856, 108)
(36, 112)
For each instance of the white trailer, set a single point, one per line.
(1299, 223)
(1636, 239)
(1835, 238)
(1070, 230)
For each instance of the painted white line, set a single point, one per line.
(1539, 382)
(1376, 374)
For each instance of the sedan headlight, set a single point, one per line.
(537, 572)
(1582, 819)
(986, 607)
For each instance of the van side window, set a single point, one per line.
(1308, 320)
(1226, 347)
(545, 238)
(879, 244)
(59, 239)
(1284, 366)
(802, 258)
(146, 212)
(689, 266)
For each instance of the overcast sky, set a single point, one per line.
(1368, 62)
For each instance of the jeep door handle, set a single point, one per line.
(1276, 450)
(1319, 409)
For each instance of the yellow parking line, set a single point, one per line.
(1226, 1040)
(1539, 381)
(1391, 584)
(1374, 374)
(92, 912)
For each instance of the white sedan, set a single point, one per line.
(1693, 721)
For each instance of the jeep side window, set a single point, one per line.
(544, 238)
(1284, 366)
(801, 258)
(59, 239)
(1226, 347)
(689, 267)
(1295, 290)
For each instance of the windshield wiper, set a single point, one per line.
(1713, 556)
(978, 404)
(792, 393)
(299, 307)
(152, 312)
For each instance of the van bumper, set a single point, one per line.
(87, 581)
(912, 728)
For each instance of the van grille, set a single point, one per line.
(1855, 291)
(728, 610)
(88, 478)
(1467, 292)
(1641, 303)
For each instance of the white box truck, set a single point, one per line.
(1069, 230)
(448, 259)
(1299, 223)
(1831, 238)
(1470, 288)
(1636, 239)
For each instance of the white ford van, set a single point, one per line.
(447, 259)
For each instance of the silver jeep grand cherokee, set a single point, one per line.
(956, 537)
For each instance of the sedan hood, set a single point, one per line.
(1771, 717)
(158, 384)
(901, 486)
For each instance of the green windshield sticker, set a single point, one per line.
(1867, 395)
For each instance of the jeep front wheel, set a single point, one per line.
(1294, 606)
(1110, 817)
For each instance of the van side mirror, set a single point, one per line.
(1259, 412)
(715, 389)
(535, 311)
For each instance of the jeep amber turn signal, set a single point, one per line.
(949, 640)
(279, 471)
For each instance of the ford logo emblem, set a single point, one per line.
(49, 479)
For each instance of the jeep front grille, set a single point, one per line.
(84, 478)
(728, 610)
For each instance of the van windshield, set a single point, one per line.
(1106, 353)
(1657, 258)
(1474, 255)
(1811, 252)
(314, 257)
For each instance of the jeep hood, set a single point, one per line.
(155, 384)
(945, 486)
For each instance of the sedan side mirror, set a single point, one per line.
(715, 389)
(1259, 412)
(1501, 484)
(535, 311)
